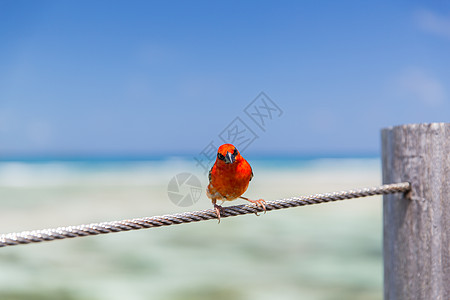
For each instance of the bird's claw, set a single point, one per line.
(258, 203)
(218, 210)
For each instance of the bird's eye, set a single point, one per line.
(235, 152)
(220, 156)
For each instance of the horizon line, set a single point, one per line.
(166, 156)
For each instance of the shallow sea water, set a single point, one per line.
(325, 251)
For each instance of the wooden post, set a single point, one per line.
(417, 225)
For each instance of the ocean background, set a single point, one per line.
(325, 251)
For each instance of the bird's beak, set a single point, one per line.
(229, 158)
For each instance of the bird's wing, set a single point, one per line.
(209, 175)
(252, 174)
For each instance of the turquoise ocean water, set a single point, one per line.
(327, 251)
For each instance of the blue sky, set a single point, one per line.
(167, 77)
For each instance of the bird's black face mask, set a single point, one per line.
(229, 158)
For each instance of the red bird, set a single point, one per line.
(229, 178)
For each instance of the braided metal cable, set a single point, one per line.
(36, 236)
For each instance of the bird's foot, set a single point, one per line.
(218, 210)
(258, 203)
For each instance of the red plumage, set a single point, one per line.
(229, 177)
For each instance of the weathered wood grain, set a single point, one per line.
(417, 226)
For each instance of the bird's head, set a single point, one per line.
(227, 154)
